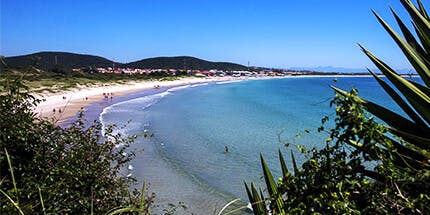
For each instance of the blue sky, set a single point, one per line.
(282, 34)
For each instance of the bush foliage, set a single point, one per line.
(74, 170)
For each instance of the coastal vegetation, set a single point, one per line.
(375, 161)
(46, 169)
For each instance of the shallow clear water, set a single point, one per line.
(186, 161)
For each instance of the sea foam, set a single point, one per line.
(229, 82)
(144, 102)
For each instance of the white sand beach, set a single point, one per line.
(69, 103)
(58, 107)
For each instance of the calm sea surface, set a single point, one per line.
(186, 159)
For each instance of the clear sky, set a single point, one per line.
(271, 33)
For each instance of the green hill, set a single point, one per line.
(183, 62)
(48, 60)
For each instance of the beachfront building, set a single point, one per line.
(198, 73)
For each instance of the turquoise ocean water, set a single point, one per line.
(186, 159)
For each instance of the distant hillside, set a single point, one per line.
(183, 62)
(46, 60)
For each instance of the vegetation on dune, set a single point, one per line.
(366, 166)
(59, 79)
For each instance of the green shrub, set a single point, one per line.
(74, 170)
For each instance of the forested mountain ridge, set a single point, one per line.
(49, 60)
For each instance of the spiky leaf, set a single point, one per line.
(283, 165)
